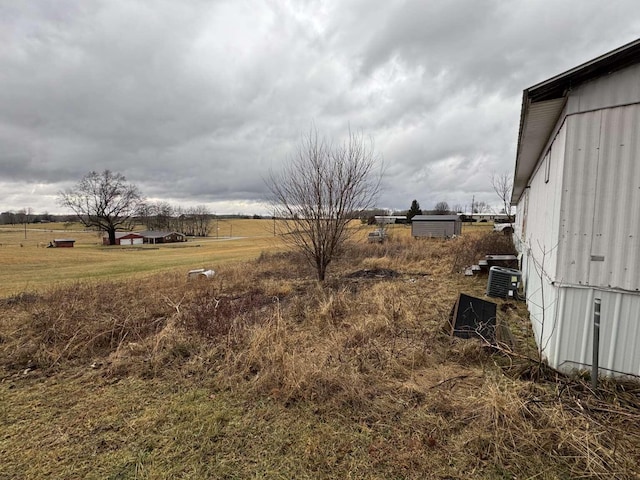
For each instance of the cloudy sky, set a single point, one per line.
(194, 101)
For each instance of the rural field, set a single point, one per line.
(113, 365)
(28, 266)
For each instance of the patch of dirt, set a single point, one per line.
(374, 273)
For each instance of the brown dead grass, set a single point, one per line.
(264, 373)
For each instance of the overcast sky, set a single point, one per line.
(194, 101)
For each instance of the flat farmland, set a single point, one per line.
(27, 265)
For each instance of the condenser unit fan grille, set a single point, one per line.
(503, 282)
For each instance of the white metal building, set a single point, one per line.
(577, 192)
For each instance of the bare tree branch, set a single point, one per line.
(104, 201)
(503, 185)
(318, 191)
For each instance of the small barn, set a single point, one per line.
(63, 242)
(125, 238)
(577, 192)
(153, 237)
(438, 226)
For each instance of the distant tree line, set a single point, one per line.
(162, 216)
(22, 216)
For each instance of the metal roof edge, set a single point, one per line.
(611, 61)
(555, 88)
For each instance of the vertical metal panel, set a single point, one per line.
(619, 331)
(542, 298)
(435, 228)
(616, 232)
(538, 225)
(596, 212)
(544, 200)
(619, 88)
(537, 237)
(578, 197)
(600, 236)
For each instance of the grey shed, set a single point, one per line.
(438, 226)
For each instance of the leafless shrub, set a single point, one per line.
(87, 321)
(317, 192)
(282, 265)
(219, 315)
(23, 298)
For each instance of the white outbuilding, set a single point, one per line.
(577, 192)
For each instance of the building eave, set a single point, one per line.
(543, 103)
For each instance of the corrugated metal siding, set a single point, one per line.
(541, 232)
(436, 228)
(599, 231)
(541, 302)
(619, 88)
(616, 232)
(537, 236)
(578, 199)
(571, 347)
(600, 237)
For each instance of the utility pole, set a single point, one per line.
(27, 211)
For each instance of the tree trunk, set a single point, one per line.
(112, 236)
(321, 269)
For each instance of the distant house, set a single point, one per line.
(390, 219)
(577, 191)
(484, 217)
(63, 242)
(153, 237)
(438, 226)
(125, 238)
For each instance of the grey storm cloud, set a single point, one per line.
(197, 101)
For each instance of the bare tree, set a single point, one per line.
(481, 207)
(104, 201)
(318, 189)
(503, 185)
(162, 216)
(21, 216)
(197, 221)
(441, 208)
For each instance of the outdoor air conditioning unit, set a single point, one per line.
(503, 282)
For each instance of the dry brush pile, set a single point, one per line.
(367, 349)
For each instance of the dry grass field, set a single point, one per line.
(28, 266)
(262, 372)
